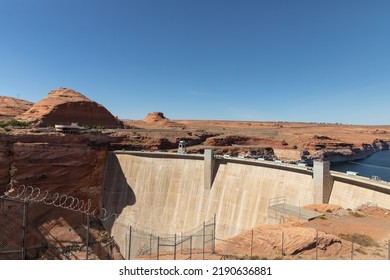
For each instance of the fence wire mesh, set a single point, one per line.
(54, 228)
(32, 229)
(141, 244)
(12, 228)
(295, 243)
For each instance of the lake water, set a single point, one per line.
(377, 164)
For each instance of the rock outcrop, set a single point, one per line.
(158, 120)
(11, 107)
(267, 241)
(64, 164)
(60, 177)
(155, 117)
(66, 106)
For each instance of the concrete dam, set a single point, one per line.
(167, 193)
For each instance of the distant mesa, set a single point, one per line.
(155, 117)
(64, 106)
(11, 107)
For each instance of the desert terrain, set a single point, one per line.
(33, 153)
(272, 140)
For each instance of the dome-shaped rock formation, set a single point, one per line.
(66, 106)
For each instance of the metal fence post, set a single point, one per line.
(352, 249)
(150, 245)
(212, 242)
(388, 249)
(129, 253)
(174, 248)
(24, 239)
(252, 244)
(109, 245)
(158, 247)
(214, 232)
(181, 243)
(87, 241)
(204, 236)
(282, 245)
(191, 247)
(316, 244)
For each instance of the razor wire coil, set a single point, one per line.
(68, 202)
(64, 201)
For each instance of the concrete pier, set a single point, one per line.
(209, 168)
(323, 181)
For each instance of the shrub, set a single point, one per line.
(356, 214)
(361, 251)
(14, 123)
(361, 239)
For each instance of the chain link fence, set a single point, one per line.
(141, 244)
(39, 225)
(36, 225)
(12, 223)
(35, 228)
(283, 245)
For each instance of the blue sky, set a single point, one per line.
(264, 60)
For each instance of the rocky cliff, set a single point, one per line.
(65, 173)
(349, 152)
(64, 164)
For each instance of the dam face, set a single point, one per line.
(167, 194)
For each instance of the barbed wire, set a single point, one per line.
(107, 215)
(64, 201)
(68, 202)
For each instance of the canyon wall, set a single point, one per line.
(67, 164)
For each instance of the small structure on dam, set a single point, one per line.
(182, 149)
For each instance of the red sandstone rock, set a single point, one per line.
(155, 117)
(267, 241)
(67, 164)
(66, 106)
(11, 107)
(323, 208)
(5, 161)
